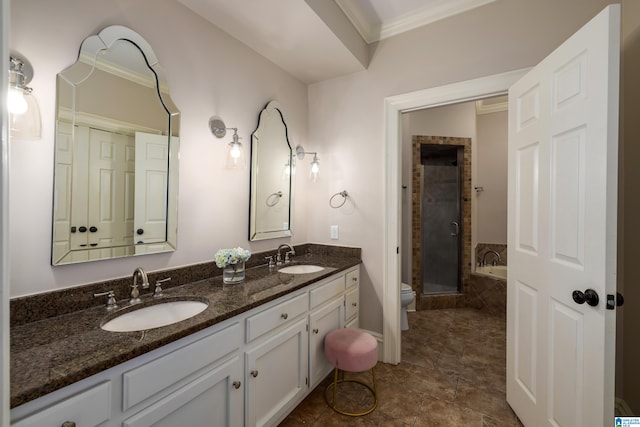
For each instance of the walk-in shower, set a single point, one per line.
(441, 217)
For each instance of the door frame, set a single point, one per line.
(469, 90)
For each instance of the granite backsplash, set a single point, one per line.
(37, 307)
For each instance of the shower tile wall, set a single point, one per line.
(483, 248)
(487, 293)
(426, 302)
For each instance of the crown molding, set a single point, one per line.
(359, 20)
(417, 18)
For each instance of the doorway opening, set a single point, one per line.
(483, 87)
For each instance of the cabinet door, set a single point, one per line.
(276, 374)
(321, 322)
(89, 408)
(351, 301)
(214, 399)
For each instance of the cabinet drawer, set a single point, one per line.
(273, 317)
(326, 292)
(91, 407)
(353, 278)
(145, 381)
(209, 400)
(351, 304)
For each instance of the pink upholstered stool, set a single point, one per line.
(351, 350)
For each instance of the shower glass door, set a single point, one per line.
(441, 224)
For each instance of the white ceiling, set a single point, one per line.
(291, 34)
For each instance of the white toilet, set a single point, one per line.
(406, 298)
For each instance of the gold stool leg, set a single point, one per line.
(336, 381)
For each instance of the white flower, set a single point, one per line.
(226, 257)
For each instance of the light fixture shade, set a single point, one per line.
(289, 169)
(235, 155)
(27, 125)
(24, 112)
(315, 168)
(315, 164)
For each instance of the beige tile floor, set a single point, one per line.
(452, 374)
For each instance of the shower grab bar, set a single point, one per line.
(456, 227)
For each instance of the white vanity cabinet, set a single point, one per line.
(327, 308)
(213, 399)
(352, 298)
(204, 381)
(276, 374)
(90, 407)
(250, 370)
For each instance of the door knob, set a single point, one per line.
(254, 373)
(236, 384)
(589, 296)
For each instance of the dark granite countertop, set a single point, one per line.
(49, 354)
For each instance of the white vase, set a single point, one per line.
(233, 273)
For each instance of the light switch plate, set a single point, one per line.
(334, 232)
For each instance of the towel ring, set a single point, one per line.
(273, 199)
(344, 196)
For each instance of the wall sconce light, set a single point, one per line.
(315, 165)
(24, 112)
(289, 169)
(235, 152)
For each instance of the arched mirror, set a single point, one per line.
(272, 168)
(116, 153)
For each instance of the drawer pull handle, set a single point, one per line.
(284, 316)
(354, 279)
(68, 424)
(315, 331)
(254, 373)
(237, 384)
(355, 304)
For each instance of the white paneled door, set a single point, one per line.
(563, 157)
(151, 177)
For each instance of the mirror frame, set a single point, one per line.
(272, 109)
(91, 47)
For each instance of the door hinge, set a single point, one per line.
(306, 380)
(398, 250)
(306, 327)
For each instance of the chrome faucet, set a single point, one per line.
(291, 252)
(135, 294)
(495, 261)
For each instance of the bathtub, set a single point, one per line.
(497, 271)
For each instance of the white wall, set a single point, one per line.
(209, 73)
(490, 219)
(347, 113)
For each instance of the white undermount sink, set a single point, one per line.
(301, 269)
(155, 316)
